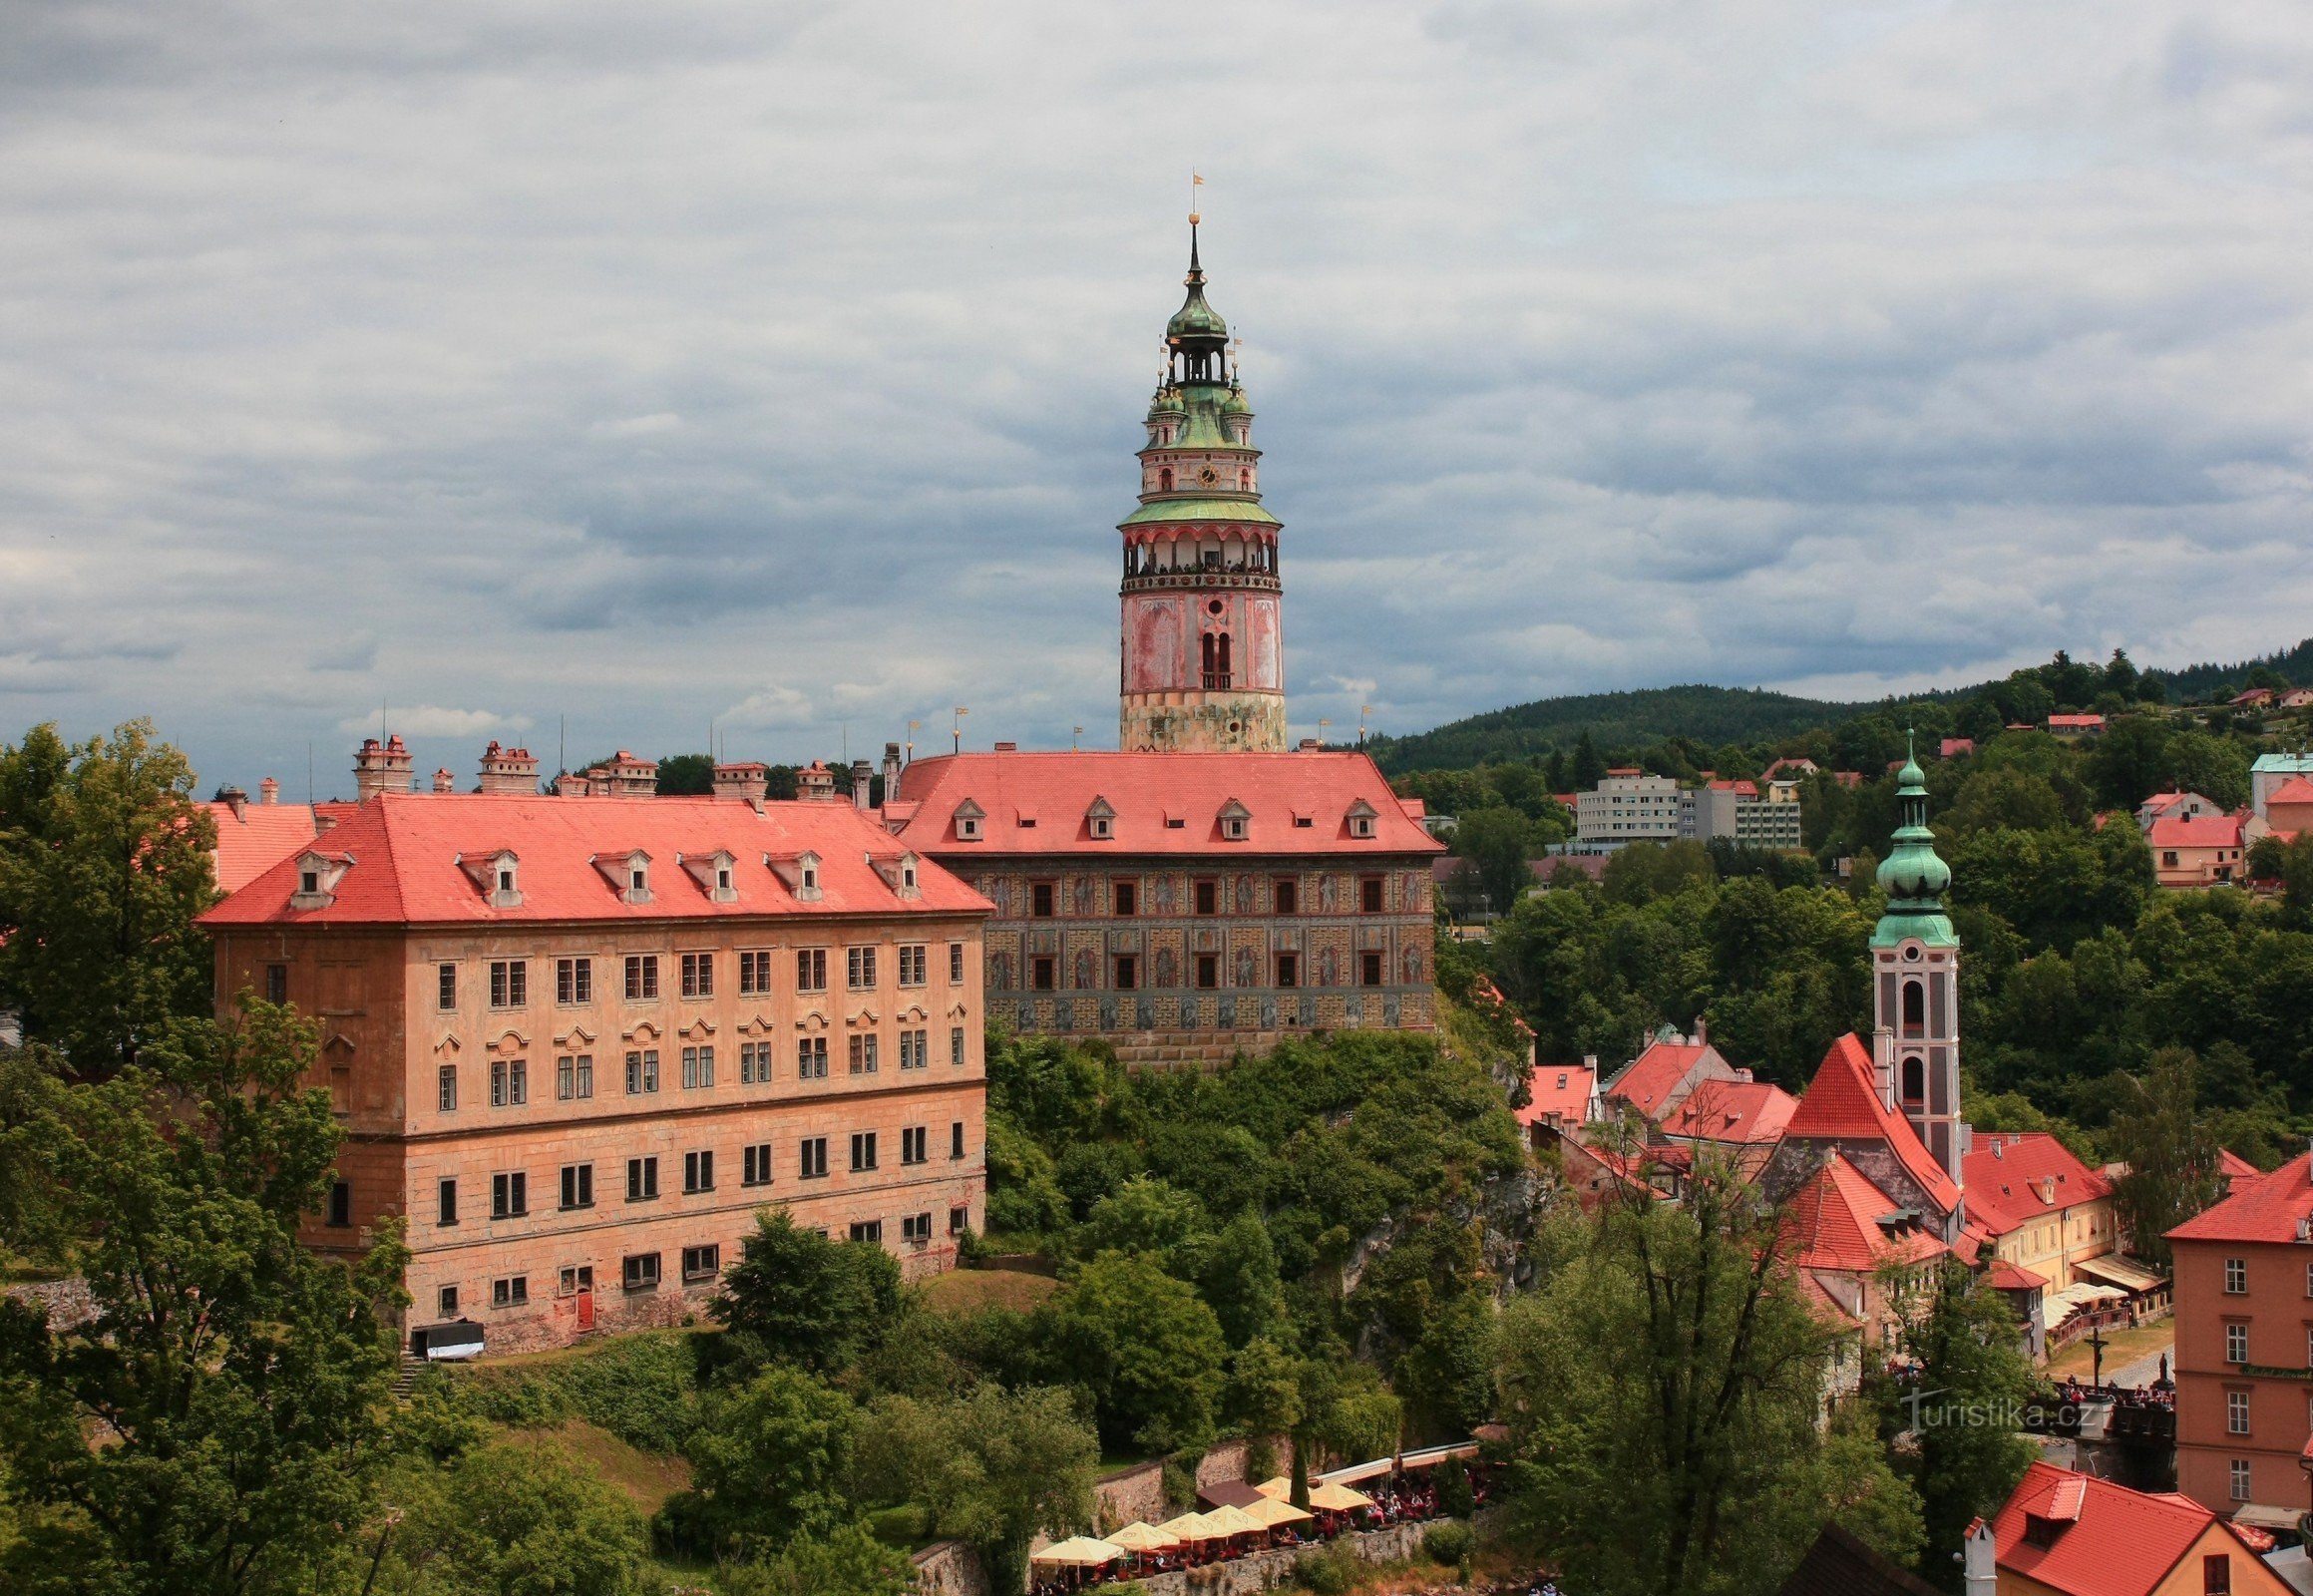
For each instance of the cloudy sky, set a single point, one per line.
(778, 366)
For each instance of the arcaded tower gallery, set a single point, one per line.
(1203, 622)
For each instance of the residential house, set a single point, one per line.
(2289, 807)
(2039, 1208)
(2076, 725)
(1868, 1252)
(1561, 1099)
(2193, 851)
(2269, 771)
(2244, 1345)
(2173, 806)
(2066, 1534)
(1742, 1117)
(1628, 806)
(1665, 1071)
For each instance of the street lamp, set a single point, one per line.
(961, 712)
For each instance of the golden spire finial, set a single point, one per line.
(1195, 183)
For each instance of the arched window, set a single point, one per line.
(1914, 1008)
(1245, 479)
(1165, 479)
(1914, 1082)
(1224, 651)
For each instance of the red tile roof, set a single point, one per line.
(2013, 1277)
(2232, 1165)
(2196, 831)
(1747, 1111)
(1842, 1103)
(262, 835)
(1056, 790)
(2076, 721)
(1561, 1090)
(2005, 1174)
(2105, 1539)
(2296, 790)
(406, 850)
(2261, 1207)
(1655, 1077)
(1833, 1223)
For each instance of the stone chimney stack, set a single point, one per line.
(444, 781)
(815, 783)
(624, 777)
(569, 784)
(380, 767)
(236, 800)
(891, 772)
(1979, 1561)
(749, 781)
(862, 778)
(268, 792)
(1883, 1064)
(508, 770)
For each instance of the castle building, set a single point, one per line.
(577, 1042)
(1203, 623)
(1184, 906)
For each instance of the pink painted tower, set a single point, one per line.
(1203, 622)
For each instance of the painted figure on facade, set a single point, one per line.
(1167, 969)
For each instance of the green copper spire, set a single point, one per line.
(1915, 877)
(1196, 336)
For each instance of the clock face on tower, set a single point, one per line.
(1208, 476)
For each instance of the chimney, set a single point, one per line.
(508, 770)
(1883, 1064)
(268, 792)
(748, 781)
(862, 777)
(1007, 747)
(1310, 745)
(624, 777)
(1701, 1032)
(1980, 1561)
(815, 783)
(569, 784)
(380, 767)
(236, 800)
(444, 781)
(891, 772)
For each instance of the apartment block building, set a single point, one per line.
(577, 1042)
(1628, 806)
(1184, 906)
(2244, 1347)
(1739, 810)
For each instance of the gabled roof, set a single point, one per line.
(2105, 1539)
(2196, 831)
(1144, 789)
(1747, 1111)
(2006, 1173)
(405, 851)
(2261, 1207)
(1656, 1079)
(1843, 1104)
(1834, 1223)
(2296, 790)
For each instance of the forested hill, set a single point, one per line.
(1713, 717)
(1614, 720)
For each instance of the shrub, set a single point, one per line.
(1448, 1543)
(1331, 1572)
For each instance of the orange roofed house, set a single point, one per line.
(579, 1042)
(1184, 905)
(2068, 1534)
(2244, 1345)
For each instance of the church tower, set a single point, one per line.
(1915, 968)
(1203, 626)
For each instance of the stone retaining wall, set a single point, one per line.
(66, 1302)
(1269, 1570)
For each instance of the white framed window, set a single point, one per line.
(2236, 1412)
(754, 1063)
(575, 1076)
(859, 968)
(863, 1053)
(2236, 1344)
(911, 964)
(642, 1072)
(2236, 1276)
(2240, 1480)
(811, 1059)
(698, 1068)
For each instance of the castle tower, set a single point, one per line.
(1915, 970)
(1203, 608)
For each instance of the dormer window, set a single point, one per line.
(908, 875)
(317, 877)
(629, 875)
(638, 882)
(714, 872)
(1100, 820)
(1235, 818)
(1362, 819)
(968, 815)
(309, 882)
(505, 879)
(723, 878)
(798, 871)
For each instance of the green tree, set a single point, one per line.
(239, 1380)
(1238, 1275)
(104, 862)
(1588, 768)
(1497, 842)
(513, 1521)
(799, 1298)
(1264, 1391)
(769, 1460)
(1967, 1454)
(2215, 767)
(686, 776)
(1149, 1216)
(1662, 1391)
(2173, 1168)
(1145, 1345)
(849, 1561)
(995, 1467)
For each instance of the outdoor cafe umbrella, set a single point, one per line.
(1278, 1487)
(1269, 1512)
(1191, 1528)
(1233, 1521)
(1337, 1498)
(1078, 1551)
(1138, 1536)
